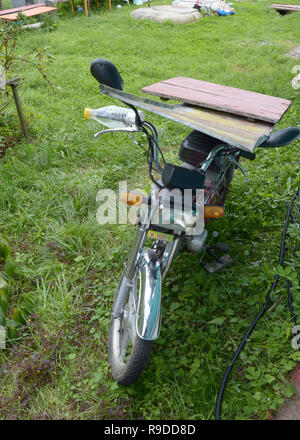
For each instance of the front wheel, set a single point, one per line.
(128, 353)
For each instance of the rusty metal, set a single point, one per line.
(236, 131)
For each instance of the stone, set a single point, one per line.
(176, 14)
(33, 26)
(294, 53)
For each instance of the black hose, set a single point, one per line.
(262, 311)
(289, 286)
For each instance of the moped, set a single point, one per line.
(172, 217)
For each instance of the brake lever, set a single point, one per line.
(131, 129)
(237, 164)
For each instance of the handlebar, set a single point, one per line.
(129, 129)
(111, 115)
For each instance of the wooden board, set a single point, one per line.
(21, 8)
(226, 99)
(281, 7)
(29, 12)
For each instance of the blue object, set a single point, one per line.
(222, 12)
(79, 9)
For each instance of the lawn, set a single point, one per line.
(70, 266)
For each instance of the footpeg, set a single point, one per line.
(220, 264)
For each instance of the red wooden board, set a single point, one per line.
(29, 12)
(20, 8)
(215, 96)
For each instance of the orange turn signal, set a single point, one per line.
(87, 113)
(213, 211)
(131, 198)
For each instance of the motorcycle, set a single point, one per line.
(174, 216)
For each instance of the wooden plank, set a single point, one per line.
(21, 8)
(285, 7)
(227, 99)
(256, 106)
(29, 13)
(228, 93)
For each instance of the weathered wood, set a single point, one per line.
(19, 109)
(235, 130)
(13, 83)
(29, 13)
(285, 9)
(215, 96)
(21, 8)
(109, 5)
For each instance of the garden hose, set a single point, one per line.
(265, 306)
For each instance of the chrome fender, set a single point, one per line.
(149, 297)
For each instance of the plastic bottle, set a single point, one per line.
(113, 116)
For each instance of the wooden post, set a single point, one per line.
(97, 3)
(85, 7)
(148, 3)
(109, 5)
(14, 84)
(87, 11)
(72, 6)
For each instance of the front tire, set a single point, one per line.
(128, 353)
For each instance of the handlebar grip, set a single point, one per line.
(247, 155)
(282, 137)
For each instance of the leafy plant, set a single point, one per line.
(71, 266)
(10, 59)
(11, 319)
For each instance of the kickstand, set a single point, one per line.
(210, 251)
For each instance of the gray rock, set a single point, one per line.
(294, 53)
(33, 26)
(177, 14)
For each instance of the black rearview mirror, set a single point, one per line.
(106, 73)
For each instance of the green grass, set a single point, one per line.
(71, 265)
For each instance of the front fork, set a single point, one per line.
(144, 263)
(127, 277)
